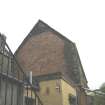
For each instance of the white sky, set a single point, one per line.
(82, 21)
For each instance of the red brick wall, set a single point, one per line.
(42, 54)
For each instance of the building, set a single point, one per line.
(55, 90)
(10, 88)
(55, 65)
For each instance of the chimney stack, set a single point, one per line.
(3, 37)
(30, 77)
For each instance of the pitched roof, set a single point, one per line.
(41, 27)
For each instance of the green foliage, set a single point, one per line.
(102, 88)
(98, 98)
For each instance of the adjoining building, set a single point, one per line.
(55, 64)
(11, 90)
(15, 88)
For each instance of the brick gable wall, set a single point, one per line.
(42, 54)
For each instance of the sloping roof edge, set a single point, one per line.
(80, 63)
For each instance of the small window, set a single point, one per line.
(72, 100)
(58, 86)
(47, 91)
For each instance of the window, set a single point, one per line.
(58, 86)
(47, 91)
(72, 100)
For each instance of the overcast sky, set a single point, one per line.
(82, 21)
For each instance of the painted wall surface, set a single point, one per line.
(50, 92)
(55, 92)
(66, 91)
